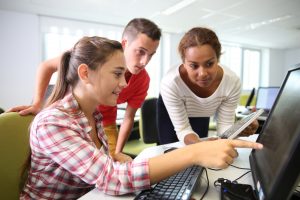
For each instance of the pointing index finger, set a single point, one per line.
(246, 144)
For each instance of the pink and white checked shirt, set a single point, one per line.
(65, 163)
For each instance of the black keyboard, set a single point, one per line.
(178, 186)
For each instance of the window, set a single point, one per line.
(245, 62)
(231, 57)
(59, 35)
(251, 66)
(154, 70)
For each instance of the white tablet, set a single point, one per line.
(240, 125)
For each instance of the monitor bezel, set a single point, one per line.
(250, 98)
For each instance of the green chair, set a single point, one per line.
(14, 149)
(244, 98)
(147, 129)
(212, 124)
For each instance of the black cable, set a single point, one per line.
(207, 186)
(231, 166)
(242, 175)
(240, 167)
(217, 182)
(214, 169)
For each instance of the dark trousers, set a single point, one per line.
(166, 132)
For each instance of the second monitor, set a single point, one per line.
(266, 97)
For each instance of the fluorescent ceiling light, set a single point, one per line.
(177, 7)
(266, 22)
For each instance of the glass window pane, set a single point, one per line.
(154, 70)
(51, 45)
(231, 57)
(251, 66)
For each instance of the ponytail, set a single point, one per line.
(62, 84)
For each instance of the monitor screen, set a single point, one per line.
(276, 168)
(266, 97)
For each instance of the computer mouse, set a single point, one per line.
(169, 149)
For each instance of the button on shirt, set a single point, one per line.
(65, 163)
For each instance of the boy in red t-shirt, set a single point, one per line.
(140, 40)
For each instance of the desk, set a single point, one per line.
(230, 173)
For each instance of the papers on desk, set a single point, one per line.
(157, 150)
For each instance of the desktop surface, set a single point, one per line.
(213, 193)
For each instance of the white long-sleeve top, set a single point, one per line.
(181, 103)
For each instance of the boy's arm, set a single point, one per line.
(44, 73)
(125, 128)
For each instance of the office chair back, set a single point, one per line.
(2, 110)
(148, 125)
(14, 150)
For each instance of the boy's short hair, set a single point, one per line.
(141, 25)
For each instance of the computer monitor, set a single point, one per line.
(266, 97)
(276, 168)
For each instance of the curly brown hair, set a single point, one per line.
(199, 36)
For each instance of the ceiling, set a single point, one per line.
(263, 23)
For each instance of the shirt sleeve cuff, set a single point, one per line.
(141, 177)
(222, 128)
(181, 135)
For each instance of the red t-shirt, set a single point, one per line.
(134, 94)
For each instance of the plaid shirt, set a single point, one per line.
(65, 163)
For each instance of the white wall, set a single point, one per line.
(276, 63)
(171, 56)
(292, 57)
(265, 67)
(276, 67)
(19, 53)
